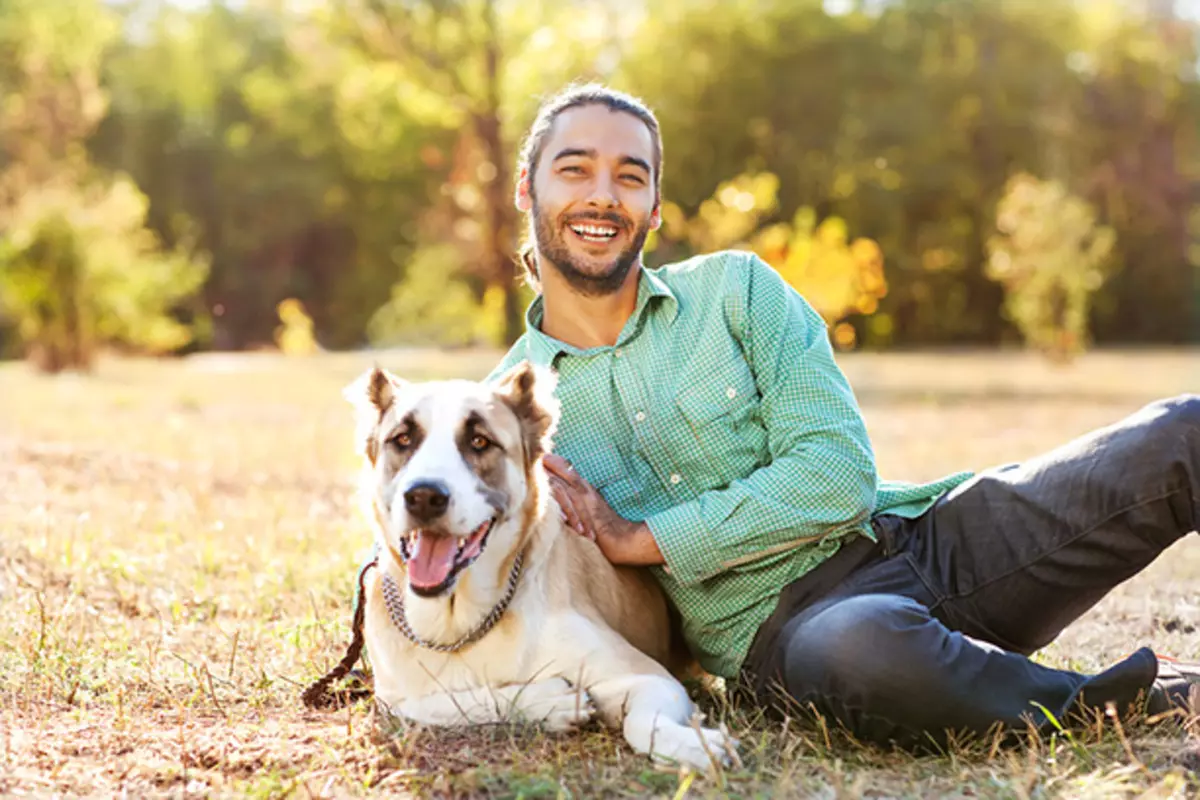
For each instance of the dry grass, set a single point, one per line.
(178, 545)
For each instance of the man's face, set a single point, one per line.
(593, 197)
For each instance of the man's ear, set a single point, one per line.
(371, 394)
(529, 392)
(524, 198)
(656, 217)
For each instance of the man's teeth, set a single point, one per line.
(594, 231)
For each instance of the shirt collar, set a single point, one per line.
(544, 349)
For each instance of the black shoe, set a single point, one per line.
(1127, 686)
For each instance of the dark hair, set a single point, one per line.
(578, 96)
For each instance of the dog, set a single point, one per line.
(485, 607)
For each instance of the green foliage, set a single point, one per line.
(50, 98)
(907, 122)
(78, 268)
(1051, 257)
(315, 150)
(432, 307)
(839, 277)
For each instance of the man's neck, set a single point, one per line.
(582, 321)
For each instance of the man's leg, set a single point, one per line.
(1018, 553)
(904, 649)
(872, 656)
(880, 665)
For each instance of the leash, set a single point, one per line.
(318, 695)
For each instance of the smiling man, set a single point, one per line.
(708, 433)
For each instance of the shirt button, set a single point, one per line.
(675, 478)
(617, 352)
(731, 392)
(640, 416)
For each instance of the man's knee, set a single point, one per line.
(1177, 415)
(856, 645)
(1186, 409)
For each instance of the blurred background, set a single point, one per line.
(299, 176)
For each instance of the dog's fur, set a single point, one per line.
(580, 637)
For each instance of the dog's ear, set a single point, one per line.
(529, 392)
(376, 386)
(372, 394)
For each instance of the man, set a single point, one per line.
(707, 433)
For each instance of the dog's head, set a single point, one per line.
(452, 468)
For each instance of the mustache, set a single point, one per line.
(599, 216)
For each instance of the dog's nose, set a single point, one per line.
(427, 500)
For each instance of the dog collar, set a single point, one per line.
(393, 598)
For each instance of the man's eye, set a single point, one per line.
(480, 443)
(634, 179)
(572, 170)
(401, 441)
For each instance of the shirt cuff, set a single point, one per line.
(679, 533)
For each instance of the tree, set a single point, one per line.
(77, 266)
(1142, 164)
(1051, 256)
(903, 123)
(480, 66)
(324, 152)
(838, 277)
(232, 123)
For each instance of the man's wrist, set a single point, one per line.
(638, 548)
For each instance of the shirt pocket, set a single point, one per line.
(725, 438)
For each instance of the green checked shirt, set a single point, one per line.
(721, 420)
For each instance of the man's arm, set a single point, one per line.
(589, 514)
(822, 476)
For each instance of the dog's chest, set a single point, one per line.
(508, 654)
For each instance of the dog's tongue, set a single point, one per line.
(431, 561)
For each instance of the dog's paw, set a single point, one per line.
(555, 704)
(698, 748)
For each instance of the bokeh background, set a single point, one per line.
(302, 175)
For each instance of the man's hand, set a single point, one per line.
(590, 515)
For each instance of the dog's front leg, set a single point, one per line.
(635, 693)
(552, 702)
(658, 720)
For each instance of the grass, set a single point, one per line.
(177, 552)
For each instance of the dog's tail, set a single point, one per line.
(318, 695)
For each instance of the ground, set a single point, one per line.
(178, 542)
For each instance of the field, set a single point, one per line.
(178, 544)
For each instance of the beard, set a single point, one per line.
(586, 276)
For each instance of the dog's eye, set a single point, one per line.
(480, 443)
(401, 441)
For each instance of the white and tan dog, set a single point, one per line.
(485, 608)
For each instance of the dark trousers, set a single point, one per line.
(929, 630)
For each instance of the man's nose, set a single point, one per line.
(427, 500)
(602, 194)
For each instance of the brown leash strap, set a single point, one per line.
(318, 695)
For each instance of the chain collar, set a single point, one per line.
(393, 597)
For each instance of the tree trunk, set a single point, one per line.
(498, 202)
